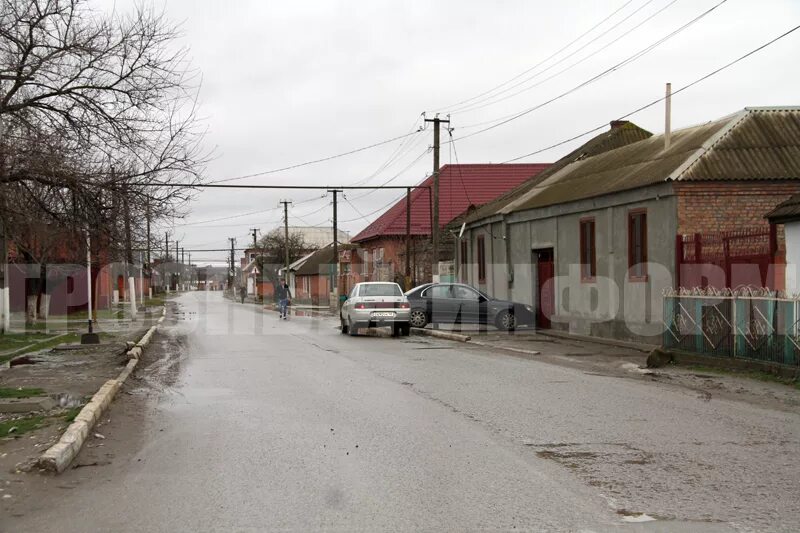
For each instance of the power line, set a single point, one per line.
(628, 60)
(387, 182)
(540, 63)
(479, 105)
(458, 166)
(397, 153)
(320, 160)
(661, 99)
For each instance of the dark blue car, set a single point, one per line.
(455, 303)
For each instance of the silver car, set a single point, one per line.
(376, 304)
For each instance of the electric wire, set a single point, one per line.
(319, 160)
(540, 63)
(481, 103)
(661, 99)
(627, 61)
(562, 71)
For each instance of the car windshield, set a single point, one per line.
(380, 289)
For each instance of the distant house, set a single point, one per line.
(592, 241)
(313, 275)
(460, 187)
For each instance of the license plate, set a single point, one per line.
(383, 314)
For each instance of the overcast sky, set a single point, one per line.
(287, 82)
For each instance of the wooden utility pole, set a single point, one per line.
(286, 238)
(335, 246)
(435, 215)
(166, 260)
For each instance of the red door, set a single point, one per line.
(545, 291)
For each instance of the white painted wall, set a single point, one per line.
(792, 232)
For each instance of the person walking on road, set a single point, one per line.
(284, 296)
(242, 293)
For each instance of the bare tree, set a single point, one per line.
(94, 111)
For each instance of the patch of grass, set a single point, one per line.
(53, 341)
(71, 413)
(23, 425)
(12, 341)
(749, 374)
(155, 301)
(22, 392)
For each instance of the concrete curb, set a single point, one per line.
(645, 348)
(441, 334)
(59, 456)
(507, 348)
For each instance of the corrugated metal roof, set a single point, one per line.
(763, 144)
(620, 134)
(459, 187)
(756, 143)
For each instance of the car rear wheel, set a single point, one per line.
(418, 318)
(352, 329)
(506, 321)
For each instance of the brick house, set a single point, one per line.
(592, 241)
(312, 279)
(460, 186)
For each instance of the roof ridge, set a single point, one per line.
(733, 119)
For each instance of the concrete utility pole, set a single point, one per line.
(233, 267)
(5, 311)
(5, 301)
(183, 268)
(128, 250)
(435, 215)
(177, 266)
(335, 247)
(166, 260)
(191, 271)
(286, 238)
(408, 240)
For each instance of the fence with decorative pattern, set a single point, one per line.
(746, 323)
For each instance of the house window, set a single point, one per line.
(588, 254)
(481, 251)
(365, 265)
(307, 285)
(637, 245)
(464, 261)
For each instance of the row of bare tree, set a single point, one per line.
(98, 123)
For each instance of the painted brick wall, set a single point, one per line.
(710, 207)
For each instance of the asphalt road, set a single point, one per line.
(273, 425)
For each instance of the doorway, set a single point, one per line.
(545, 287)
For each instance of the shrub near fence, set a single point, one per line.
(746, 323)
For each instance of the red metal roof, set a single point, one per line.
(460, 186)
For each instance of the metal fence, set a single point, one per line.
(746, 323)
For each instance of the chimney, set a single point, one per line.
(668, 117)
(618, 124)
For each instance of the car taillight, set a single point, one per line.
(360, 306)
(404, 305)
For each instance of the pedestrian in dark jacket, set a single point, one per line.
(284, 296)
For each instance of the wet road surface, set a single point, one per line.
(272, 425)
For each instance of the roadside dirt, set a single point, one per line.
(113, 443)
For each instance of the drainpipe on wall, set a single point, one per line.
(509, 266)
